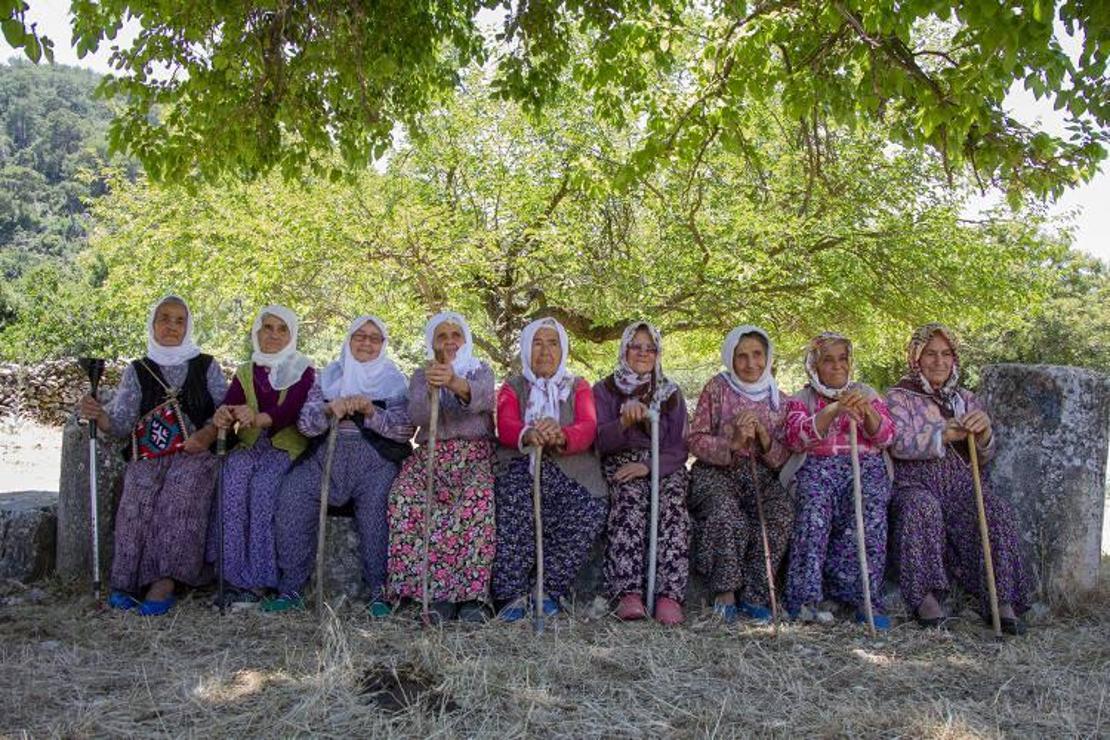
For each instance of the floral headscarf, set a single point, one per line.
(651, 388)
(816, 349)
(948, 396)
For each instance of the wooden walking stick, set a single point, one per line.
(322, 531)
(94, 367)
(537, 517)
(653, 525)
(984, 534)
(221, 456)
(861, 545)
(766, 541)
(429, 496)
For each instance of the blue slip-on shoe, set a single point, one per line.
(514, 611)
(550, 606)
(728, 613)
(156, 608)
(380, 609)
(882, 621)
(122, 601)
(756, 612)
(285, 602)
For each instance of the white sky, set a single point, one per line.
(1087, 207)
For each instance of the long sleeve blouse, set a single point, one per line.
(282, 415)
(580, 433)
(712, 429)
(919, 427)
(392, 422)
(123, 409)
(802, 434)
(613, 437)
(457, 420)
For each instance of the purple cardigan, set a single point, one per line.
(612, 438)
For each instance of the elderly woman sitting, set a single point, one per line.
(740, 413)
(168, 485)
(264, 402)
(368, 396)
(935, 514)
(461, 533)
(823, 554)
(624, 443)
(545, 407)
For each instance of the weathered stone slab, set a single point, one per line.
(27, 525)
(1052, 425)
(74, 530)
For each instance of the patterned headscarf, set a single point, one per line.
(764, 390)
(287, 365)
(816, 349)
(178, 354)
(948, 396)
(651, 388)
(377, 379)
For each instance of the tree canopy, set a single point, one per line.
(244, 87)
(506, 217)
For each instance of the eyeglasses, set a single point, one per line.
(647, 349)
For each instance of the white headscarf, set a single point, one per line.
(378, 378)
(629, 381)
(288, 365)
(465, 362)
(176, 355)
(544, 394)
(764, 390)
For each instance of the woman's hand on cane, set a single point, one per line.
(90, 409)
(633, 412)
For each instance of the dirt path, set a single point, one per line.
(30, 456)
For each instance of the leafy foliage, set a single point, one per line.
(244, 87)
(507, 216)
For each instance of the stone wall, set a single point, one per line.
(47, 392)
(1052, 425)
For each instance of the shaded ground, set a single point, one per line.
(69, 669)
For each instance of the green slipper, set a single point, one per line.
(283, 603)
(380, 609)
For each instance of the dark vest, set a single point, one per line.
(196, 402)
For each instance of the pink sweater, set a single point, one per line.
(580, 434)
(802, 435)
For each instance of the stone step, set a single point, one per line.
(28, 523)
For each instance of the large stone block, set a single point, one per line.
(74, 528)
(27, 525)
(1052, 425)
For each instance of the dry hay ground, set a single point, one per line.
(68, 669)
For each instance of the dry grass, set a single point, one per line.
(68, 669)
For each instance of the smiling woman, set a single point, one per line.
(934, 508)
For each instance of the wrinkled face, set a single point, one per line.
(834, 367)
(366, 342)
(641, 352)
(447, 340)
(170, 322)
(273, 335)
(936, 361)
(749, 359)
(547, 353)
